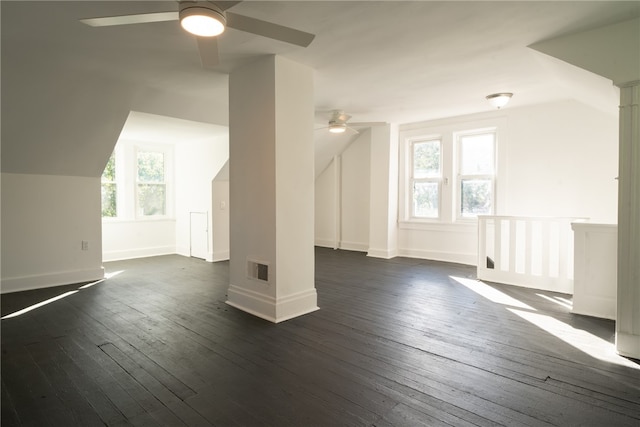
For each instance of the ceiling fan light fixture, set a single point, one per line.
(202, 19)
(499, 100)
(337, 127)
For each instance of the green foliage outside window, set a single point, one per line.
(477, 168)
(109, 189)
(426, 173)
(476, 197)
(151, 185)
(150, 166)
(425, 199)
(426, 159)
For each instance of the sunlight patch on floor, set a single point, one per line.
(59, 297)
(491, 293)
(106, 276)
(38, 305)
(582, 340)
(557, 300)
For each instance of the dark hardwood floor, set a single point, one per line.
(397, 342)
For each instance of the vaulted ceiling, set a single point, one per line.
(67, 88)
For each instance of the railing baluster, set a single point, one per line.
(482, 243)
(497, 243)
(512, 246)
(527, 247)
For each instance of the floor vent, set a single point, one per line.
(258, 270)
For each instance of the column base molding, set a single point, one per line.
(628, 345)
(274, 310)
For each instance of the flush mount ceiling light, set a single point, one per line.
(202, 18)
(499, 100)
(335, 127)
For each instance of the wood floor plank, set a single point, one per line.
(401, 342)
(44, 355)
(9, 416)
(33, 397)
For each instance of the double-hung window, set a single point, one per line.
(151, 183)
(426, 178)
(476, 173)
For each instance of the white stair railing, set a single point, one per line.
(526, 251)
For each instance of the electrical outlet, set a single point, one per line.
(85, 245)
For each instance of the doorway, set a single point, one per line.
(199, 235)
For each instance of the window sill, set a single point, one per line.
(461, 226)
(137, 220)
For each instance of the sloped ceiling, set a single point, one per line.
(618, 48)
(67, 88)
(168, 130)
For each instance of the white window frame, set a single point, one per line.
(447, 130)
(434, 178)
(167, 152)
(460, 176)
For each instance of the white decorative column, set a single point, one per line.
(628, 316)
(383, 198)
(271, 189)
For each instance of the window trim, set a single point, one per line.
(457, 136)
(435, 178)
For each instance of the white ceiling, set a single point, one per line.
(392, 61)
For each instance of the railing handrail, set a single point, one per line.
(535, 218)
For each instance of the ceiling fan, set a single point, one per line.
(206, 20)
(338, 123)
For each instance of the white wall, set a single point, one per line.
(562, 160)
(45, 218)
(355, 194)
(327, 207)
(220, 218)
(126, 239)
(342, 198)
(197, 163)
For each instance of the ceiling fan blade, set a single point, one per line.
(224, 5)
(141, 18)
(367, 124)
(208, 47)
(269, 29)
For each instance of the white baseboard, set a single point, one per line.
(325, 243)
(272, 309)
(628, 345)
(219, 256)
(138, 253)
(594, 305)
(458, 258)
(26, 283)
(183, 250)
(382, 253)
(354, 246)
